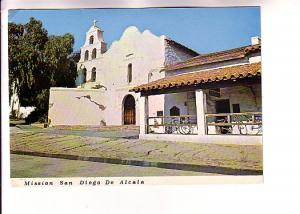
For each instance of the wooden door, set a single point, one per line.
(129, 110)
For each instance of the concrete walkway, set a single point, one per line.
(121, 146)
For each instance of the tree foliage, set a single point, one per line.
(38, 61)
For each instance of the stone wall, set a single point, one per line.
(175, 54)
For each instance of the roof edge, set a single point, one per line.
(182, 46)
(211, 75)
(247, 49)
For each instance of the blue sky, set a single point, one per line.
(202, 29)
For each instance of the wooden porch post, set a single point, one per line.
(143, 114)
(201, 110)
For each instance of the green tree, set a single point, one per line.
(37, 62)
(15, 32)
(62, 66)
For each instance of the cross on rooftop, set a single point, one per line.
(94, 22)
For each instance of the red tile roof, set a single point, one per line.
(194, 78)
(236, 53)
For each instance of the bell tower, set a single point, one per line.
(94, 44)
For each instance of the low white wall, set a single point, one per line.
(216, 139)
(73, 106)
(70, 106)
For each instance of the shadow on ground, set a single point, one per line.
(177, 166)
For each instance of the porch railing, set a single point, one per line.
(248, 123)
(183, 124)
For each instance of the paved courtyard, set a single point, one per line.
(117, 151)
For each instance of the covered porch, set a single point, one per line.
(221, 105)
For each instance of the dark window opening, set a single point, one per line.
(84, 75)
(93, 76)
(91, 40)
(129, 73)
(222, 106)
(86, 55)
(236, 108)
(174, 111)
(159, 113)
(94, 53)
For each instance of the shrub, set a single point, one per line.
(36, 116)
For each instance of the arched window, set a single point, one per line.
(86, 55)
(174, 111)
(84, 75)
(129, 73)
(91, 40)
(94, 52)
(93, 76)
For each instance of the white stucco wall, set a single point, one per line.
(146, 52)
(156, 103)
(178, 100)
(98, 43)
(73, 107)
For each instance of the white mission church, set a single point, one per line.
(164, 87)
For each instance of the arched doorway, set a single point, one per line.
(129, 110)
